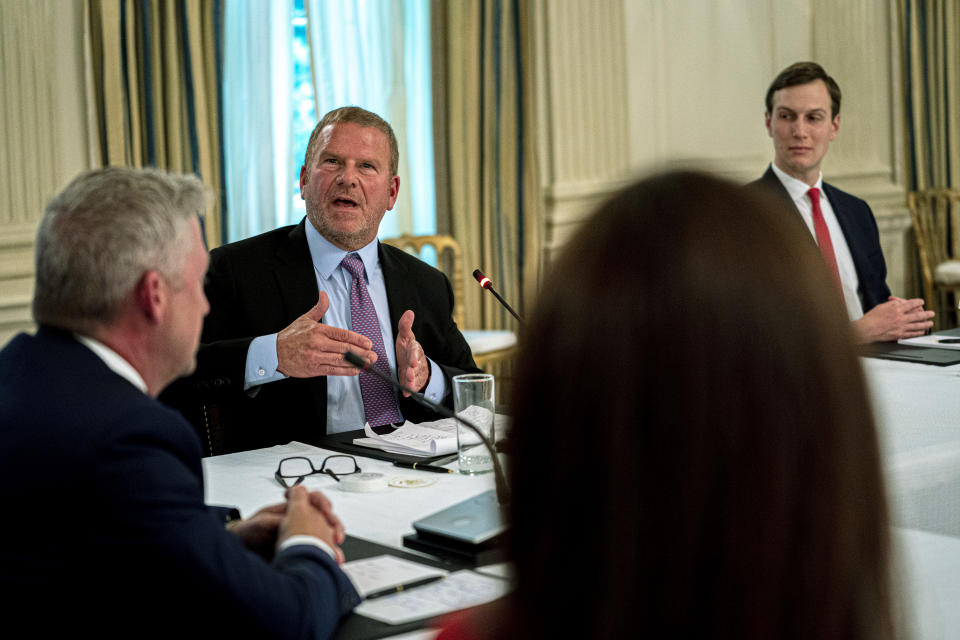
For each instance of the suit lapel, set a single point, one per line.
(294, 274)
(842, 214)
(401, 294)
(296, 280)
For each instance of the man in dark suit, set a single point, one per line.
(112, 536)
(287, 304)
(803, 117)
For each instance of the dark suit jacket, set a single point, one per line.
(105, 527)
(259, 286)
(860, 231)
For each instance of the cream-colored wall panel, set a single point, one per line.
(856, 44)
(698, 71)
(16, 262)
(582, 104)
(584, 45)
(43, 133)
(42, 113)
(16, 278)
(691, 94)
(697, 76)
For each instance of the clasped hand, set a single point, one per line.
(304, 513)
(894, 319)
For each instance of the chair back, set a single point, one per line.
(449, 260)
(936, 223)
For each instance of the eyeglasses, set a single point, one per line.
(300, 467)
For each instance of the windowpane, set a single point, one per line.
(304, 113)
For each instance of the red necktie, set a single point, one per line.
(823, 236)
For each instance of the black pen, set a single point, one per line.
(403, 587)
(422, 467)
(949, 341)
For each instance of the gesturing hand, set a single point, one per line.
(413, 370)
(308, 348)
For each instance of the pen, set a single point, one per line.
(422, 467)
(949, 341)
(402, 587)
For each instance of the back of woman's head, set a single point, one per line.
(693, 448)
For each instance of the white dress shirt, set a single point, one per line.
(849, 281)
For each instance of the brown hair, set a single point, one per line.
(358, 116)
(804, 73)
(693, 450)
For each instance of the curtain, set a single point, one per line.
(261, 183)
(930, 36)
(930, 54)
(376, 55)
(487, 169)
(152, 89)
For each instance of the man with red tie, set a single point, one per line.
(803, 117)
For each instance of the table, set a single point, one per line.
(917, 409)
(245, 480)
(927, 581)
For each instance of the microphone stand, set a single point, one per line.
(499, 478)
(486, 284)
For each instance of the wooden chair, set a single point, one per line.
(936, 224)
(493, 351)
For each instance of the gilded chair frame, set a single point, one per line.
(935, 214)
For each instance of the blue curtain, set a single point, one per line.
(151, 69)
(257, 117)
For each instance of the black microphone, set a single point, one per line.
(499, 478)
(486, 284)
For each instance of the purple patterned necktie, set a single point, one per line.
(379, 398)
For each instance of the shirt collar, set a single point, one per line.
(113, 360)
(796, 188)
(327, 256)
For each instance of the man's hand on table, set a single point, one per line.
(259, 532)
(892, 320)
(308, 348)
(310, 513)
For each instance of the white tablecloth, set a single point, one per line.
(245, 480)
(917, 408)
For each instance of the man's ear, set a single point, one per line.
(304, 176)
(151, 296)
(394, 191)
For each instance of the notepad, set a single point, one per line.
(379, 573)
(932, 340)
(427, 439)
(458, 590)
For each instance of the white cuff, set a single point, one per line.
(262, 362)
(305, 539)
